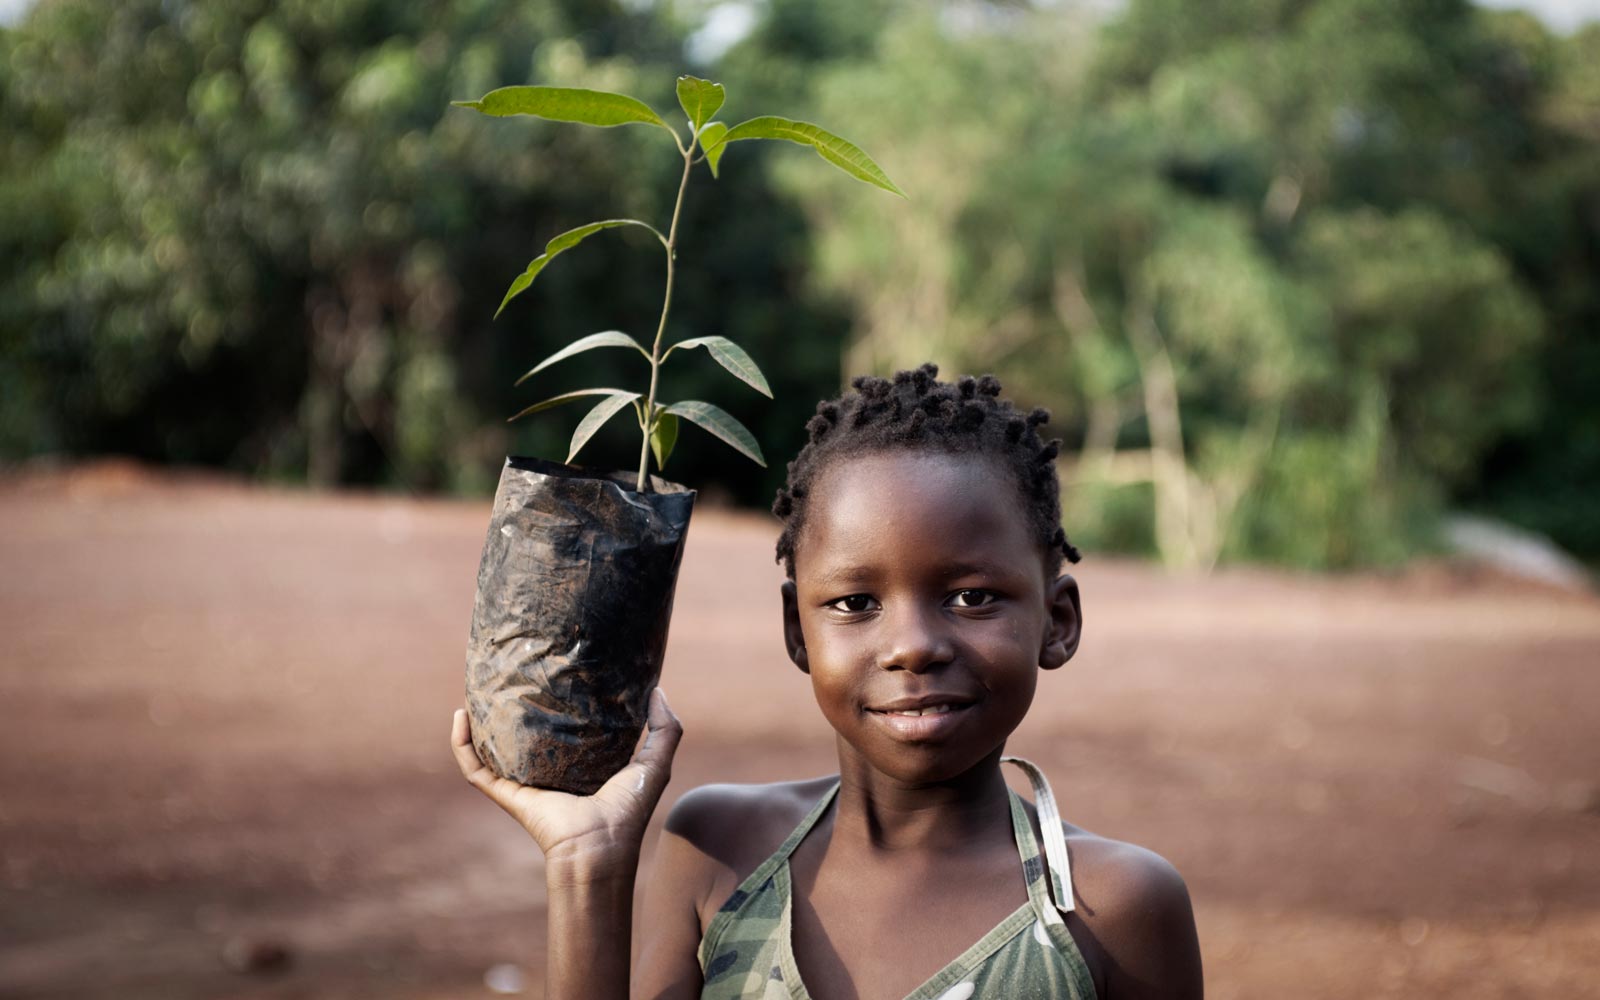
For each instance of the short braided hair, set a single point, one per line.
(915, 411)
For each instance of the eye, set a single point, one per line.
(971, 598)
(854, 604)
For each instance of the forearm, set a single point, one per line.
(591, 847)
(590, 931)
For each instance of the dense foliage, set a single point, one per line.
(1294, 276)
(1297, 274)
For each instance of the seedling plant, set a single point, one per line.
(706, 142)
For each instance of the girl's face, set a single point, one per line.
(921, 609)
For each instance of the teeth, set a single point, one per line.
(930, 710)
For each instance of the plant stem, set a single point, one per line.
(661, 328)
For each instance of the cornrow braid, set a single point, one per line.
(914, 410)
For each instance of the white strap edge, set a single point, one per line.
(1055, 842)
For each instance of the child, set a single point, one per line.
(923, 547)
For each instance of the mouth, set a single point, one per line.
(921, 719)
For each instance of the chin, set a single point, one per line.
(928, 764)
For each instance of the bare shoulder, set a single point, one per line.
(728, 822)
(1121, 880)
(1140, 922)
(724, 832)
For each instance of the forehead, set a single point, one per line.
(913, 506)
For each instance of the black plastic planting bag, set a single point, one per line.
(570, 622)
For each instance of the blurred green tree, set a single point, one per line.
(1252, 253)
(1546, 475)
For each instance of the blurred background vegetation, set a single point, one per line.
(1295, 276)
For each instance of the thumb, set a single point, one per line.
(646, 776)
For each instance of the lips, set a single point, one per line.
(921, 718)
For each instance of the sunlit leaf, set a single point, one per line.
(566, 104)
(699, 98)
(565, 241)
(730, 356)
(839, 152)
(723, 425)
(609, 338)
(567, 397)
(592, 421)
(711, 142)
(662, 437)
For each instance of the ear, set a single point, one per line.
(1066, 623)
(793, 639)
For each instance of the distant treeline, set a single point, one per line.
(1295, 277)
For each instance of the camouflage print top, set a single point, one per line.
(747, 950)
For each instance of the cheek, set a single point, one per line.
(1021, 638)
(835, 675)
(1026, 634)
(837, 698)
(832, 663)
(1012, 653)
(1008, 640)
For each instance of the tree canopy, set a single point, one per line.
(1285, 269)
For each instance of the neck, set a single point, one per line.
(877, 812)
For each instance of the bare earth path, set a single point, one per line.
(223, 720)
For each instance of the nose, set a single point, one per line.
(915, 639)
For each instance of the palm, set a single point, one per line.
(613, 817)
(560, 818)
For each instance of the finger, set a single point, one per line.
(651, 768)
(663, 731)
(467, 759)
(503, 792)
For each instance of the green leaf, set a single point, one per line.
(842, 154)
(592, 421)
(730, 356)
(609, 338)
(567, 397)
(711, 142)
(723, 425)
(566, 104)
(662, 437)
(565, 241)
(699, 98)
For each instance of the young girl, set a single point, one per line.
(923, 547)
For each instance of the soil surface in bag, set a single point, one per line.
(570, 622)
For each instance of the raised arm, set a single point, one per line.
(591, 846)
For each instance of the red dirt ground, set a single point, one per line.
(226, 711)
